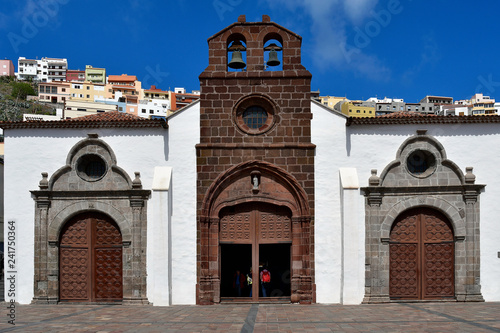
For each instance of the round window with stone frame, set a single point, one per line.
(255, 114)
(421, 163)
(91, 167)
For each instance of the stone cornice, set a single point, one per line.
(255, 146)
(94, 194)
(419, 190)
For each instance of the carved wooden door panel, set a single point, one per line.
(421, 255)
(74, 261)
(438, 253)
(107, 261)
(90, 260)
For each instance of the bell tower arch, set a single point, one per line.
(255, 146)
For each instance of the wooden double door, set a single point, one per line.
(90, 260)
(421, 256)
(252, 237)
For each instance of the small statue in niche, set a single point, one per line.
(255, 182)
(255, 179)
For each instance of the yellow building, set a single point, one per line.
(331, 101)
(357, 109)
(483, 105)
(74, 109)
(96, 75)
(87, 91)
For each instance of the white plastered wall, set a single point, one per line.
(183, 135)
(466, 145)
(28, 152)
(374, 147)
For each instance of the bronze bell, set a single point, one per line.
(273, 58)
(237, 61)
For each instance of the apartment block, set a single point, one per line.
(96, 75)
(127, 85)
(53, 92)
(75, 75)
(30, 69)
(73, 109)
(156, 103)
(87, 91)
(179, 98)
(332, 102)
(483, 105)
(57, 68)
(43, 70)
(357, 109)
(437, 99)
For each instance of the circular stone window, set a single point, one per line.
(255, 117)
(421, 163)
(254, 114)
(91, 167)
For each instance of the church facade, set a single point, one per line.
(113, 208)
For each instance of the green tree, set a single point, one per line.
(21, 89)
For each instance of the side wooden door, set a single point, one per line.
(90, 260)
(422, 255)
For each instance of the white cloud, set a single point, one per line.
(357, 10)
(330, 22)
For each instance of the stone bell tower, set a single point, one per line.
(255, 160)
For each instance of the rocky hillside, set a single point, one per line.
(12, 108)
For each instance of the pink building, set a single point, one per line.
(6, 68)
(53, 92)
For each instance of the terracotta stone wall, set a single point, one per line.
(223, 144)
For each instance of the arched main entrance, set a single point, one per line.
(421, 256)
(254, 236)
(90, 259)
(256, 192)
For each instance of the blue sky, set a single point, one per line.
(355, 48)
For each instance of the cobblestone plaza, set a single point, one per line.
(393, 317)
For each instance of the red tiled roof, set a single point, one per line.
(411, 117)
(111, 119)
(122, 78)
(406, 114)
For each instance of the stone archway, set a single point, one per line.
(254, 236)
(260, 184)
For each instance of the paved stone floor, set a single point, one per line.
(395, 317)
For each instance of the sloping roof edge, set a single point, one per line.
(329, 109)
(432, 119)
(184, 108)
(253, 23)
(111, 119)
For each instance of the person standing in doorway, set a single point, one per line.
(265, 281)
(250, 281)
(238, 283)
